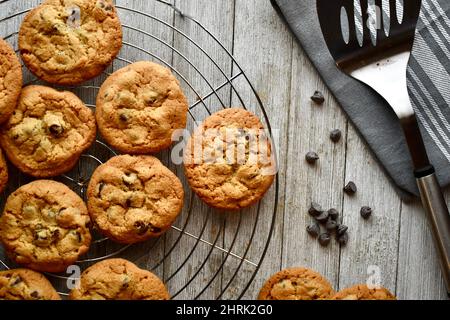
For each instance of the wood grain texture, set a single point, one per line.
(396, 241)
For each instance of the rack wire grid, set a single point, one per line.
(206, 254)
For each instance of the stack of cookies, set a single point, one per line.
(45, 226)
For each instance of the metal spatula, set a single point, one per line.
(371, 40)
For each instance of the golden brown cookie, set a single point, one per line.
(118, 279)
(45, 226)
(48, 131)
(134, 198)
(10, 80)
(296, 284)
(228, 160)
(70, 41)
(24, 284)
(139, 108)
(3, 172)
(362, 292)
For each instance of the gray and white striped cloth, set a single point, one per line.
(429, 86)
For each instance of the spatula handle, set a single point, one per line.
(438, 217)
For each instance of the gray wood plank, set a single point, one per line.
(262, 46)
(419, 275)
(373, 243)
(309, 130)
(192, 263)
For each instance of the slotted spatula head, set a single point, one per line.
(371, 40)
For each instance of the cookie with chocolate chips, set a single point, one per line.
(363, 292)
(48, 131)
(24, 284)
(134, 198)
(45, 226)
(118, 279)
(10, 80)
(140, 107)
(229, 161)
(70, 41)
(296, 284)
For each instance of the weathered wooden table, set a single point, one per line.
(394, 245)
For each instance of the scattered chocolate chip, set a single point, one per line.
(315, 209)
(331, 225)
(312, 157)
(108, 8)
(333, 213)
(15, 137)
(342, 239)
(125, 285)
(34, 294)
(313, 230)
(318, 98)
(56, 130)
(336, 135)
(141, 227)
(366, 212)
(341, 229)
(350, 188)
(323, 217)
(324, 239)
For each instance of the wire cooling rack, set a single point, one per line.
(206, 254)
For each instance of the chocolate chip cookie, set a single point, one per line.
(139, 108)
(69, 41)
(47, 132)
(363, 292)
(24, 284)
(118, 279)
(45, 226)
(10, 80)
(228, 160)
(296, 284)
(134, 198)
(3, 172)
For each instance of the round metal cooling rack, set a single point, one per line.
(206, 254)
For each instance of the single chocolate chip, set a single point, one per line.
(154, 229)
(34, 294)
(318, 97)
(128, 202)
(315, 209)
(333, 213)
(341, 229)
(17, 281)
(366, 212)
(312, 157)
(79, 237)
(141, 227)
(56, 130)
(331, 225)
(323, 217)
(335, 135)
(108, 8)
(15, 137)
(123, 117)
(350, 188)
(342, 239)
(313, 230)
(55, 234)
(324, 239)
(101, 185)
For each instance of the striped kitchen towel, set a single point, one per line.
(429, 86)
